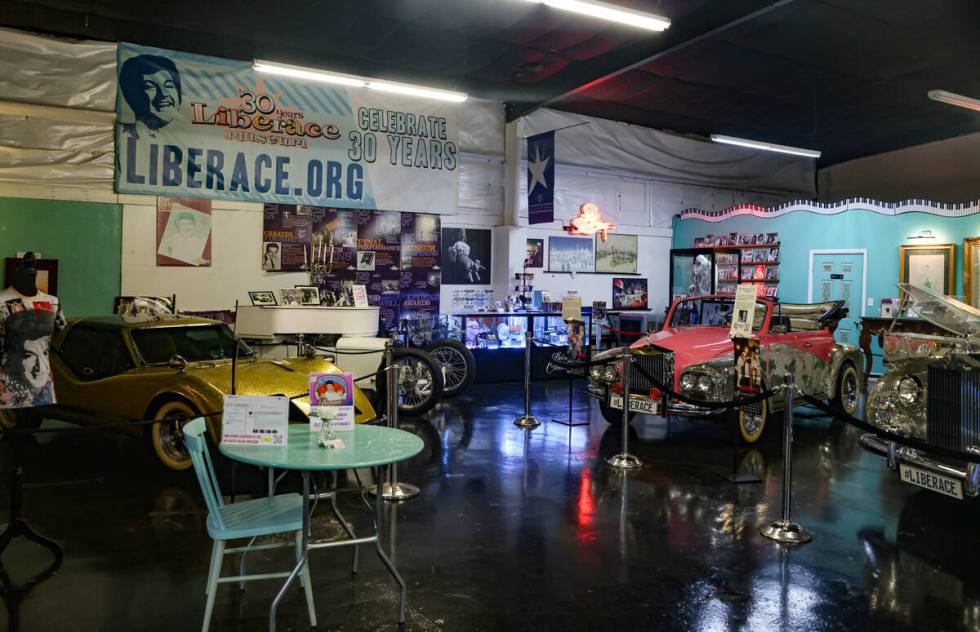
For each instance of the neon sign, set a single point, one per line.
(589, 222)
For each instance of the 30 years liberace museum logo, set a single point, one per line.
(258, 118)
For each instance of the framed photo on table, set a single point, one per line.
(309, 294)
(928, 265)
(971, 270)
(262, 298)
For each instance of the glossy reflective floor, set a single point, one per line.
(523, 531)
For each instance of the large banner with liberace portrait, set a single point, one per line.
(195, 126)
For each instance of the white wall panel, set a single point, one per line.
(236, 249)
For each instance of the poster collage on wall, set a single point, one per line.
(395, 255)
(617, 254)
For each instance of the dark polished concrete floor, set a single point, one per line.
(518, 531)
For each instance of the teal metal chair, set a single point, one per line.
(281, 513)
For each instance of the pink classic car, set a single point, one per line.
(694, 355)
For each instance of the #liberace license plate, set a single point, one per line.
(636, 405)
(934, 482)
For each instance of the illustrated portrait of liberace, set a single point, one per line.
(151, 86)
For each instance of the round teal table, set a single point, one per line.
(364, 447)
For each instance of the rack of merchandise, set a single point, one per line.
(760, 265)
(700, 271)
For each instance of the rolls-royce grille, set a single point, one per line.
(657, 364)
(953, 403)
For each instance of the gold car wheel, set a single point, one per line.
(752, 421)
(168, 438)
(848, 391)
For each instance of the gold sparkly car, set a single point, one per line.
(116, 369)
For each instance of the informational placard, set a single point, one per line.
(421, 269)
(255, 420)
(743, 315)
(571, 307)
(379, 236)
(360, 296)
(196, 126)
(598, 311)
(748, 366)
(332, 401)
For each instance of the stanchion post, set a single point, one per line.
(393, 489)
(527, 421)
(624, 459)
(784, 530)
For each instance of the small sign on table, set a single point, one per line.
(255, 420)
(332, 401)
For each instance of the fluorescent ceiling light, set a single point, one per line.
(312, 74)
(952, 98)
(755, 144)
(416, 91)
(611, 12)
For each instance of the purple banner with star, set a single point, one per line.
(541, 178)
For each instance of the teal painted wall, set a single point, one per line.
(801, 231)
(85, 238)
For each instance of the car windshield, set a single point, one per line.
(711, 312)
(943, 311)
(194, 343)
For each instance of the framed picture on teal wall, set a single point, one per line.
(928, 265)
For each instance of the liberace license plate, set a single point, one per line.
(934, 482)
(636, 405)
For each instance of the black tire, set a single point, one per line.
(613, 415)
(420, 382)
(847, 389)
(458, 364)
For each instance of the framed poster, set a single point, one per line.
(971, 270)
(629, 293)
(183, 232)
(617, 254)
(535, 253)
(466, 256)
(927, 265)
(570, 254)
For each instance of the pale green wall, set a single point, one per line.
(85, 238)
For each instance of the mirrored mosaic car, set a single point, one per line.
(931, 391)
(694, 355)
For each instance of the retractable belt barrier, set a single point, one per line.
(916, 444)
(130, 423)
(344, 351)
(621, 332)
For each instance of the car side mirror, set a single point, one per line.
(178, 362)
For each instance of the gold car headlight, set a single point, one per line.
(909, 389)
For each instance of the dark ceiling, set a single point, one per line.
(848, 77)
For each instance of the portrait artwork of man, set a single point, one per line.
(150, 84)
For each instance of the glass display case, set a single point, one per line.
(497, 341)
(700, 271)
